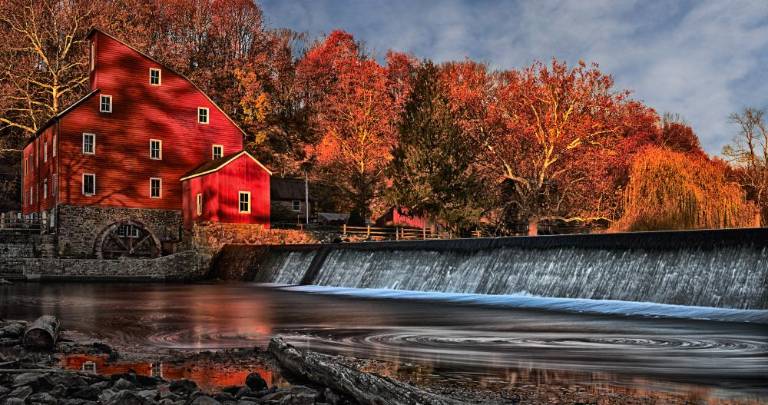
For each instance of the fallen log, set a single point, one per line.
(42, 333)
(365, 388)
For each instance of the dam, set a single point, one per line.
(713, 268)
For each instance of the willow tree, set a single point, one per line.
(673, 190)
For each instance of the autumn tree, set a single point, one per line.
(673, 190)
(432, 171)
(749, 153)
(42, 62)
(354, 114)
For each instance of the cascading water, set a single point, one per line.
(724, 269)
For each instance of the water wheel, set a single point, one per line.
(127, 239)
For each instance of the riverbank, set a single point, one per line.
(83, 370)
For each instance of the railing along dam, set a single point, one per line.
(714, 268)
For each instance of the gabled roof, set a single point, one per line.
(61, 114)
(94, 30)
(216, 165)
(285, 188)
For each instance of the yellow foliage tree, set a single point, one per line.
(673, 190)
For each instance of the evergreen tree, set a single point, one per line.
(432, 172)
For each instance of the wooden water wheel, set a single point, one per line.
(128, 239)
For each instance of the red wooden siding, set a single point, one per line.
(220, 190)
(140, 112)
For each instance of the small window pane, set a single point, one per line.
(199, 204)
(89, 144)
(89, 184)
(218, 151)
(155, 149)
(296, 205)
(154, 188)
(106, 104)
(245, 202)
(202, 115)
(154, 77)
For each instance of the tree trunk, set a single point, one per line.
(42, 333)
(363, 387)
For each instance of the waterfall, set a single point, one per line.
(724, 269)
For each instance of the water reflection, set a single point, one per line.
(507, 347)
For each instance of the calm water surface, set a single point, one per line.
(465, 342)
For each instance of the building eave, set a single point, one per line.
(223, 164)
(61, 115)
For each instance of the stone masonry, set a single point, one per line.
(79, 227)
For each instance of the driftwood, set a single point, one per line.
(365, 388)
(42, 333)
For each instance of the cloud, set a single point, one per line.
(701, 59)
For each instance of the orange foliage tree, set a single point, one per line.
(674, 190)
(354, 103)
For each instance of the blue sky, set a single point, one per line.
(700, 59)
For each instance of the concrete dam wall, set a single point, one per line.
(721, 268)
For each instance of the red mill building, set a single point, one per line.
(106, 173)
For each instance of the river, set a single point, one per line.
(443, 339)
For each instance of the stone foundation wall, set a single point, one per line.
(184, 266)
(211, 237)
(80, 226)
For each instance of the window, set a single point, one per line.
(54, 146)
(296, 205)
(202, 115)
(127, 231)
(31, 196)
(93, 56)
(154, 76)
(89, 144)
(155, 149)
(89, 367)
(89, 184)
(155, 187)
(199, 204)
(218, 151)
(54, 184)
(45, 189)
(105, 105)
(26, 165)
(245, 202)
(157, 370)
(45, 151)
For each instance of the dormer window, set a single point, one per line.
(105, 104)
(202, 115)
(154, 76)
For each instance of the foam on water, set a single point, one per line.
(527, 301)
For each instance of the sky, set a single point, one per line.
(700, 59)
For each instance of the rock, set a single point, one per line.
(58, 391)
(204, 400)
(332, 397)
(69, 380)
(25, 379)
(224, 397)
(294, 395)
(101, 385)
(90, 393)
(126, 397)
(148, 394)
(255, 382)
(22, 392)
(106, 395)
(183, 386)
(14, 401)
(43, 398)
(232, 389)
(122, 384)
(245, 402)
(13, 330)
(3, 391)
(242, 392)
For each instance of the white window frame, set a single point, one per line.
(45, 151)
(53, 146)
(294, 204)
(93, 57)
(54, 184)
(88, 367)
(159, 189)
(159, 77)
(83, 184)
(160, 150)
(31, 196)
(213, 151)
(93, 144)
(199, 204)
(240, 194)
(101, 103)
(207, 115)
(45, 189)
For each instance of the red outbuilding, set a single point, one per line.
(232, 189)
